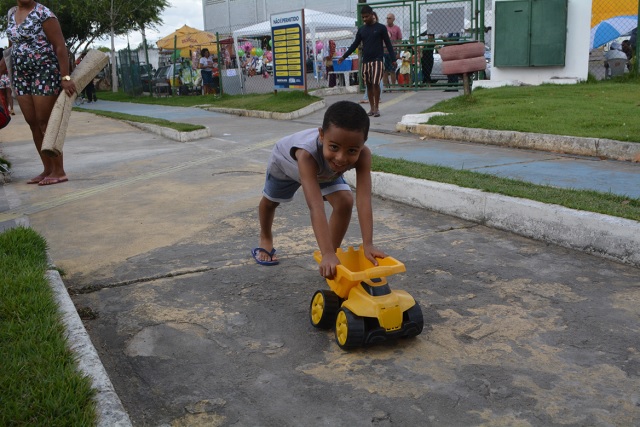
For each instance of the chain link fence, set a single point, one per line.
(613, 48)
(425, 26)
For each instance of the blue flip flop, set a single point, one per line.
(255, 251)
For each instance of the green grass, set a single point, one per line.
(39, 381)
(594, 109)
(181, 127)
(282, 102)
(591, 201)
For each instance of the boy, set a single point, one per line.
(316, 159)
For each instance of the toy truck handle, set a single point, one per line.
(369, 273)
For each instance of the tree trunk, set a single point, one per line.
(114, 69)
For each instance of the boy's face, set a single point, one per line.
(341, 147)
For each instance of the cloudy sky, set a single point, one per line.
(179, 13)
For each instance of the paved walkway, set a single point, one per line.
(154, 238)
(538, 167)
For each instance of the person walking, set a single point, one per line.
(40, 67)
(395, 34)
(372, 34)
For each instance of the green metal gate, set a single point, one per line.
(431, 25)
(129, 72)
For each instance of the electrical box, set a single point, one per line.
(530, 33)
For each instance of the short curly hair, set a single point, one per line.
(347, 115)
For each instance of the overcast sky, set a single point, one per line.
(179, 13)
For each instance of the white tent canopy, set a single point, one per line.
(318, 26)
(314, 21)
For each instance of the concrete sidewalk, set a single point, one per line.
(154, 237)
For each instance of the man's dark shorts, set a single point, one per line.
(389, 63)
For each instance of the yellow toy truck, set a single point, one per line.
(361, 305)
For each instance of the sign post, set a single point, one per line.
(289, 50)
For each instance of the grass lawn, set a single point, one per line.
(608, 109)
(180, 127)
(282, 102)
(590, 201)
(39, 381)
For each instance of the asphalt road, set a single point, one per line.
(154, 239)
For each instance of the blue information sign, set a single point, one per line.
(287, 35)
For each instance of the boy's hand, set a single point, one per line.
(328, 265)
(371, 253)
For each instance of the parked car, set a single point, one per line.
(146, 76)
(174, 76)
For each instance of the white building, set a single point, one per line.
(224, 16)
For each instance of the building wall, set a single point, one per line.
(576, 56)
(224, 16)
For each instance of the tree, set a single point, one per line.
(85, 21)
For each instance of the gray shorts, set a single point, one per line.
(283, 190)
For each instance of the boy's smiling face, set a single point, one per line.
(341, 147)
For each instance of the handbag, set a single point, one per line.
(5, 117)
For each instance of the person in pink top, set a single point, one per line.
(395, 34)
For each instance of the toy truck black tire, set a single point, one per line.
(323, 309)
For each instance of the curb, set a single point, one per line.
(594, 147)
(609, 237)
(269, 114)
(172, 133)
(109, 408)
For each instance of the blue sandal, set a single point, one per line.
(256, 251)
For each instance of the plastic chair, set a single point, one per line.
(617, 67)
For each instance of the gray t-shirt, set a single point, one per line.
(284, 165)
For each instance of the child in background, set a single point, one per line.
(316, 159)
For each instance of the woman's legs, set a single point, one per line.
(36, 111)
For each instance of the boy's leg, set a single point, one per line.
(342, 206)
(266, 213)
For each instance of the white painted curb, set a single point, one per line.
(109, 408)
(602, 235)
(270, 114)
(172, 133)
(595, 147)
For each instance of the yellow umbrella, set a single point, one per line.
(602, 10)
(187, 37)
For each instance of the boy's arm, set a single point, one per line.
(363, 205)
(312, 194)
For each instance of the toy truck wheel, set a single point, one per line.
(350, 329)
(323, 309)
(414, 315)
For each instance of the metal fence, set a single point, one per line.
(426, 26)
(129, 72)
(613, 48)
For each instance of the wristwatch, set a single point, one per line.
(67, 78)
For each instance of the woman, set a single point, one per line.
(40, 66)
(206, 70)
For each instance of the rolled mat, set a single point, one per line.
(56, 131)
